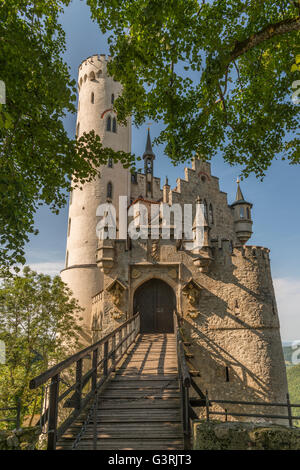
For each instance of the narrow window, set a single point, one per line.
(273, 308)
(149, 187)
(211, 214)
(108, 124)
(85, 77)
(114, 125)
(134, 178)
(227, 374)
(242, 213)
(110, 163)
(99, 73)
(69, 227)
(231, 246)
(205, 209)
(71, 197)
(92, 76)
(236, 304)
(112, 99)
(109, 190)
(67, 259)
(92, 98)
(77, 130)
(248, 213)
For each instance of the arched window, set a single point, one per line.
(92, 76)
(92, 98)
(242, 213)
(80, 82)
(77, 129)
(112, 99)
(99, 73)
(85, 77)
(108, 124)
(109, 190)
(211, 214)
(114, 125)
(110, 162)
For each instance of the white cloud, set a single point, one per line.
(288, 301)
(51, 268)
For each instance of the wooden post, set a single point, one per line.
(53, 412)
(78, 383)
(207, 405)
(113, 356)
(18, 416)
(95, 368)
(105, 368)
(289, 410)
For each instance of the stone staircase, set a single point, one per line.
(139, 408)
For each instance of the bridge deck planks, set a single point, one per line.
(140, 407)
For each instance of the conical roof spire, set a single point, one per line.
(239, 195)
(148, 150)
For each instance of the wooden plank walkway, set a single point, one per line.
(140, 407)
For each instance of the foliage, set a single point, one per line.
(217, 73)
(37, 158)
(293, 376)
(39, 326)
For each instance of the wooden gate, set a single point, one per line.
(155, 301)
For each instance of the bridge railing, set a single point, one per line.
(101, 358)
(184, 380)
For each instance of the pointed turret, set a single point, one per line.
(148, 150)
(149, 157)
(242, 216)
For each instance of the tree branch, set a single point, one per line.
(276, 29)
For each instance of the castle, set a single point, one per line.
(224, 289)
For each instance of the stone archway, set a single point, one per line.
(155, 300)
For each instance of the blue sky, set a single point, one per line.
(276, 199)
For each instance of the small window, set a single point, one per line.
(92, 76)
(77, 130)
(110, 162)
(248, 213)
(149, 187)
(92, 98)
(112, 99)
(227, 374)
(114, 125)
(67, 259)
(108, 124)
(242, 213)
(85, 77)
(109, 190)
(205, 209)
(211, 214)
(236, 304)
(99, 73)
(134, 178)
(69, 227)
(71, 197)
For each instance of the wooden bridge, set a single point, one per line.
(128, 393)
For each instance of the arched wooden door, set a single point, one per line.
(155, 300)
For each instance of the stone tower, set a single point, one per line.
(97, 92)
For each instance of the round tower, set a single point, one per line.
(97, 93)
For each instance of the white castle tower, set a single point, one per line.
(97, 92)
